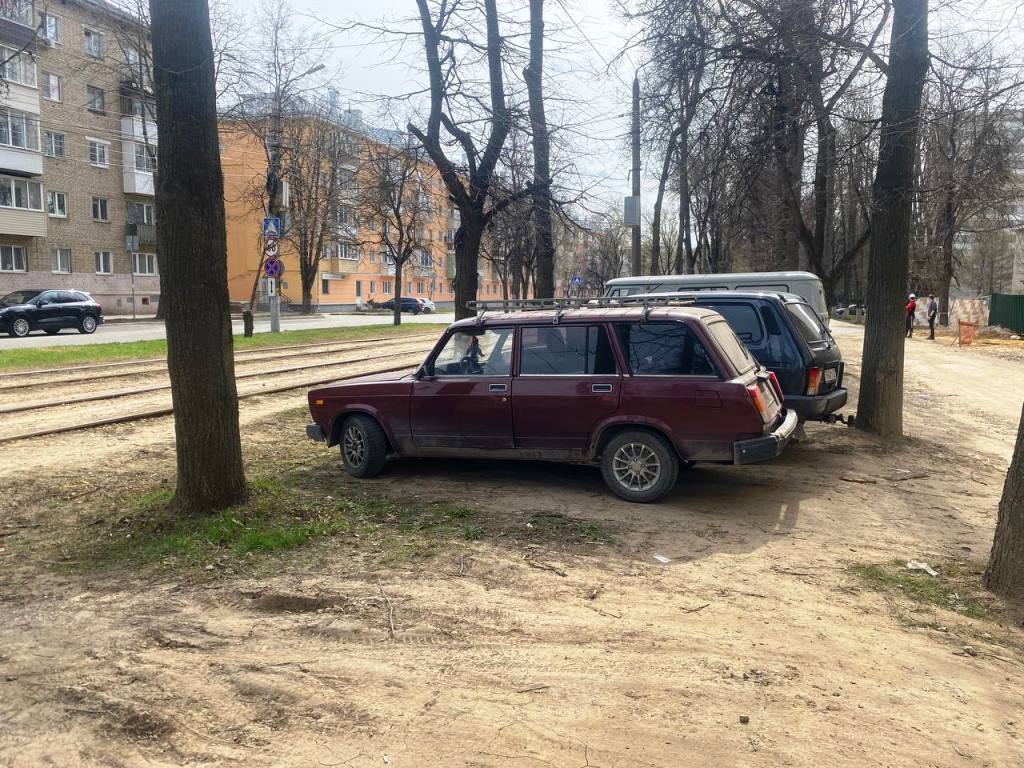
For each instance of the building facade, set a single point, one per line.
(77, 154)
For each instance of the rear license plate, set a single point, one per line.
(830, 376)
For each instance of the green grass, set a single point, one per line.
(12, 358)
(956, 588)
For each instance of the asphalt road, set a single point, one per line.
(151, 329)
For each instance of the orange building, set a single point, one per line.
(353, 269)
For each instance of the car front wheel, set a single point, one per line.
(88, 324)
(20, 328)
(639, 466)
(364, 446)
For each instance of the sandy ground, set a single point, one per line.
(623, 661)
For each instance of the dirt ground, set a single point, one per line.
(518, 651)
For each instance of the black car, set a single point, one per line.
(409, 304)
(25, 311)
(785, 335)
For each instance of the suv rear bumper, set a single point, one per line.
(769, 446)
(816, 406)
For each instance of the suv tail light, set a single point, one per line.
(813, 380)
(758, 400)
(778, 387)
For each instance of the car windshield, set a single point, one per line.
(808, 323)
(731, 345)
(18, 297)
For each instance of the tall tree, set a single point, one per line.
(1005, 572)
(193, 260)
(543, 240)
(880, 406)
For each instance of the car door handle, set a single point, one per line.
(497, 387)
(598, 388)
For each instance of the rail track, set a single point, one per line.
(21, 420)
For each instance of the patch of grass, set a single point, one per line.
(53, 357)
(472, 532)
(956, 588)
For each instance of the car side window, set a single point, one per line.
(566, 350)
(663, 349)
(67, 297)
(48, 297)
(744, 320)
(476, 353)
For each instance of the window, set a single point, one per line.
(99, 153)
(144, 263)
(807, 323)
(744, 319)
(373, 287)
(349, 252)
(138, 107)
(663, 349)
(94, 43)
(62, 261)
(104, 263)
(95, 99)
(566, 350)
(733, 348)
(141, 213)
(12, 258)
(476, 353)
(57, 204)
(359, 288)
(20, 193)
(100, 210)
(325, 286)
(50, 26)
(17, 10)
(53, 144)
(145, 158)
(49, 86)
(17, 67)
(19, 129)
(419, 287)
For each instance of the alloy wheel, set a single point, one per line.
(636, 466)
(354, 446)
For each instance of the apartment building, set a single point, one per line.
(77, 154)
(354, 269)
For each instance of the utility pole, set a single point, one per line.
(636, 264)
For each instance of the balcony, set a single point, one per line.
(137, 129)
(345, 266)
(449, 266)
(423, 270)
(23, 162)
(146, 233)
(17, 221)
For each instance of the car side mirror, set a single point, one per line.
(41, 302)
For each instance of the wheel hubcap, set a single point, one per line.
(354, 446)
(21, 327)
(636, 466)
(89, 324)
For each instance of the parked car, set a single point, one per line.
(785, 335)
(409, 304)
(804, 284)
(428, 305)
(25, 311)
(637, 390)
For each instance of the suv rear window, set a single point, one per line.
(743, 318)
(565, 350)
(663, 349)
(731, 345)
(807, 323)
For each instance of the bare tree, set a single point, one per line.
(543, 239)
(193, 260)
(1005, 572)
(880, 405)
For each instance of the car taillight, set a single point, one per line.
(758, 400)
(813, 380)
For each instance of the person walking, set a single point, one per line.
(910, 309)
(933, 315)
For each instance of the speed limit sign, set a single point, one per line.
(270, 250)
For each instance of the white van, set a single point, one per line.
(804, 284)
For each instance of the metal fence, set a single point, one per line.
(1007, 312)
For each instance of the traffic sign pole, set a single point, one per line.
(272, 269)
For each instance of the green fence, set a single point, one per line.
(1007, 312)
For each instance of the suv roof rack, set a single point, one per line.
(560, 305)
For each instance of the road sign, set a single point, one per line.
(272, 227)
(271, 287)
(272, 268)
(270, 250)
(577, 280)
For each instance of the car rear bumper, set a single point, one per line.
(314, 433)
(816, 406)
(769, 446)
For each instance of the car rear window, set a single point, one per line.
(744, 320)
(663, 349)
(565, 350)
(733, 348)
(807, 323)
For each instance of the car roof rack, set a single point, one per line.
(561, 305)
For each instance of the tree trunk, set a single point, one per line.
(666, 168)
(1005, 572)
(880, 407)
(543, 240)
(397, 314)
(467, 250)
(193, 260)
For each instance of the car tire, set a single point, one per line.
(639, 466)
(19, 328)
(87, 324)
(363, 446)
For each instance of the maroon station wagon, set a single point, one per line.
(639, 390)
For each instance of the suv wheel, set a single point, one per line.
(20, 327)
(639, 466)
(88, 324)
(364, 446)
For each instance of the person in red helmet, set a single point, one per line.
(910, 309)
